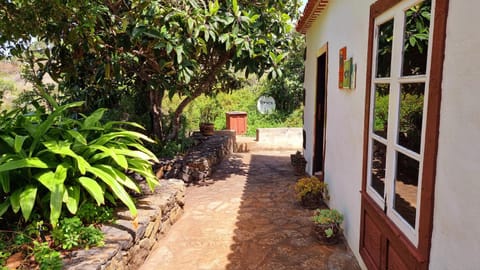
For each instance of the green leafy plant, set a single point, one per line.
(47, 258)
(327, 216)
(328, 221)
(48, 160)
(210, 111)
(71, 233)
(91, 213)
(3, 258)
(310, 185)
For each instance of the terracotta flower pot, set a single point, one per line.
(207, 129)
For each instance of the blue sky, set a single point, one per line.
(304, 2)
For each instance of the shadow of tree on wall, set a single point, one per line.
(272, 230)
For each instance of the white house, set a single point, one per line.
(392, 121)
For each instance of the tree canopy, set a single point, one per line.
(101, 51)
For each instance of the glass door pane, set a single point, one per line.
(416, 34)
(384, 49)
(380, 111)
(406, 188)
(379, 158)
(411, 115)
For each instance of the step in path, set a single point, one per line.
(247, 218)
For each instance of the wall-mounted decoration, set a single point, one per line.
(353, 76)
(266, 104)
(342, 57)
(347, 68)
(347, 71)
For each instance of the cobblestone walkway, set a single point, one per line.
(247, 219)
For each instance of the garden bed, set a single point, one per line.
(128, 244)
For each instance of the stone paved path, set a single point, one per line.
(247, 219)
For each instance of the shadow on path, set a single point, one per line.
(272, 230)
(246, 218)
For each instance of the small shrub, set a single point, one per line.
(91, 236)
(310, 185)
(327, 225)
(71, 233)
(91, 213)
(327, 216)
(3, 258)
(47, 258)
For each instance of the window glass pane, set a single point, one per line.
(416, 33)
(411, 115)
(384, 53)
(380, 111)
(379, 157)
(406, 188)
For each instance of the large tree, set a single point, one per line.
(100, 51)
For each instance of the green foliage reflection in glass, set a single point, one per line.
(382, 93)
(417, 29)
(411, 115)
(48, 160)
(385, 41)
(416, 35)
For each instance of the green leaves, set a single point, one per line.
(117, 189)
(56, 201)
(93, 188)
(69, 162)
(27, 200)
(213, 8)
(23, 163)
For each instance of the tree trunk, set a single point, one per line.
(178, 113)
(206, 82)
(155, 99)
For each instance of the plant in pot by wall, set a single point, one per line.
(311, 191)
(207, 119)
(327, 225)
(298, 162)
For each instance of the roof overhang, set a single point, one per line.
(312, 10)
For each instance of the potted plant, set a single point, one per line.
(298, 162)
(207, 119)
(310, 191)
(327, 225)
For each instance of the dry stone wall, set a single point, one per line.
(127, 243)
(198, 163)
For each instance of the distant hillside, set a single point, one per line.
(11, 82)
(10, 72)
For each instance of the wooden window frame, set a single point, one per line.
(418, 255)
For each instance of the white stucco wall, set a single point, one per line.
(456, 228)
(343, 23)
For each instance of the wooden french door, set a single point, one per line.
(404, 72)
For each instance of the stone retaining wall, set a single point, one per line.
(128, 243)
(198, 163)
